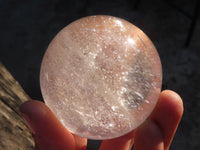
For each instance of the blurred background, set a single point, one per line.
(27, 27)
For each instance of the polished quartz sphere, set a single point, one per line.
(101, 76)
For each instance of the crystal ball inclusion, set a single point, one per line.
(101, 76)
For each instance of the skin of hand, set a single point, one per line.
(156, 133)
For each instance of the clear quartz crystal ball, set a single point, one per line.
(101, 76)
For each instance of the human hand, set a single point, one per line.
(156, 133)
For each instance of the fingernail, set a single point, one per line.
(28, 122)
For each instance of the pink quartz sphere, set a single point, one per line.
(101, 76)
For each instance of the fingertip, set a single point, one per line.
(149, 136)
(28, 110)
(174, 100)
(32, 106)
(25, 107)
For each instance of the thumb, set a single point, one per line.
(47, 130)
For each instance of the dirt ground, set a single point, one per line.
(27, 27)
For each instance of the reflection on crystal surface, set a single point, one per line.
(101, 76)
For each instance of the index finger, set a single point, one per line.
(167, 115)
